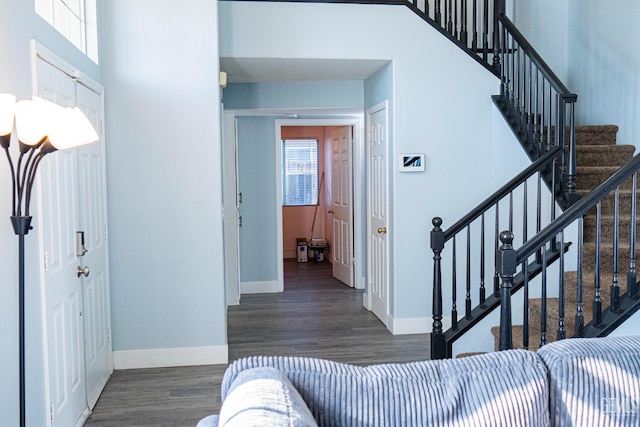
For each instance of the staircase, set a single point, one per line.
(590, 184)
(598, 157)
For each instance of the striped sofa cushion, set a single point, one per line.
(594, 382)
(497, 389)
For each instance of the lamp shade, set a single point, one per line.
(73, 129)
(32, 121)
(7, 111)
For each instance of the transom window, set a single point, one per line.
(299, 172)
(74, 19)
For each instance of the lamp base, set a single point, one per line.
(21, 224)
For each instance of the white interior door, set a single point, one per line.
(231, 215)
(92, 216)
(63, 291)
(73, 195)
(377, 207)
(341, 204)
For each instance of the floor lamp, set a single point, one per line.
(42, 127)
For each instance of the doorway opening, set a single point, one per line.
(335, 220)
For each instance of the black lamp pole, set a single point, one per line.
(23, 176)
(78, 130)
(21, 226)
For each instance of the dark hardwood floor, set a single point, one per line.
(316, 316)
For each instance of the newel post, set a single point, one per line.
(438, 344)
(506, 258)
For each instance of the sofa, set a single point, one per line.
(573, 382)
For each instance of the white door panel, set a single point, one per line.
(377, 196)
(341, 205)
(92, 212)
(58, 177)
(72, 184)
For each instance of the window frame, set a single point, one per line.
(313, 183)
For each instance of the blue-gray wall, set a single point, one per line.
(164, 179)
(257, 182)
(434, 85)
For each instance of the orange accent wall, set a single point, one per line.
(297, 221)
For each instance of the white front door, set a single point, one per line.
(92, 216)
(63, 290)
(341, 204)
(231, 215)
(73, 199)
(377, 206)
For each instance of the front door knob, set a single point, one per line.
(83, 271)
(382, 230)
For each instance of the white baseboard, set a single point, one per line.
(415, 325)
(167, 357)
(365, 301)
(267, 287)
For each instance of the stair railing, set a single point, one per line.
(513, 262)
(533, 100)
(469, 23)
(536, 104)
(485, 220)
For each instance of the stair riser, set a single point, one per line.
(624, 204)
(596, 135)
(612, 156)
(607, 230)
(590, 178)
(606, 258)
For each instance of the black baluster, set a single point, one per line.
(498, 11)
(615, 288)
(511, 211)
(562, 331)
(579, 320)
(539, 213)
(467, 307)
(438, 343)
(525, 306)
(454, 286)
(485, 31)
(455, 19)
(449, 18)
(496, 277)
(438, 11)
(463, 23)
(632, 284)
(571, 194)
(597, 303)
(543, 312)
(506, 267)
(482, 260)
(474, 38)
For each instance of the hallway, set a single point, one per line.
(316, 316)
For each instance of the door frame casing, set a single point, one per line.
(358, 170)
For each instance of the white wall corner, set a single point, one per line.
(168, 357)
(265, 287)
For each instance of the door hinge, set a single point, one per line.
(52, 413)
(106, 232)
(45, 261)
(109, 335)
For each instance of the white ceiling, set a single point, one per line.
(261, 70)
